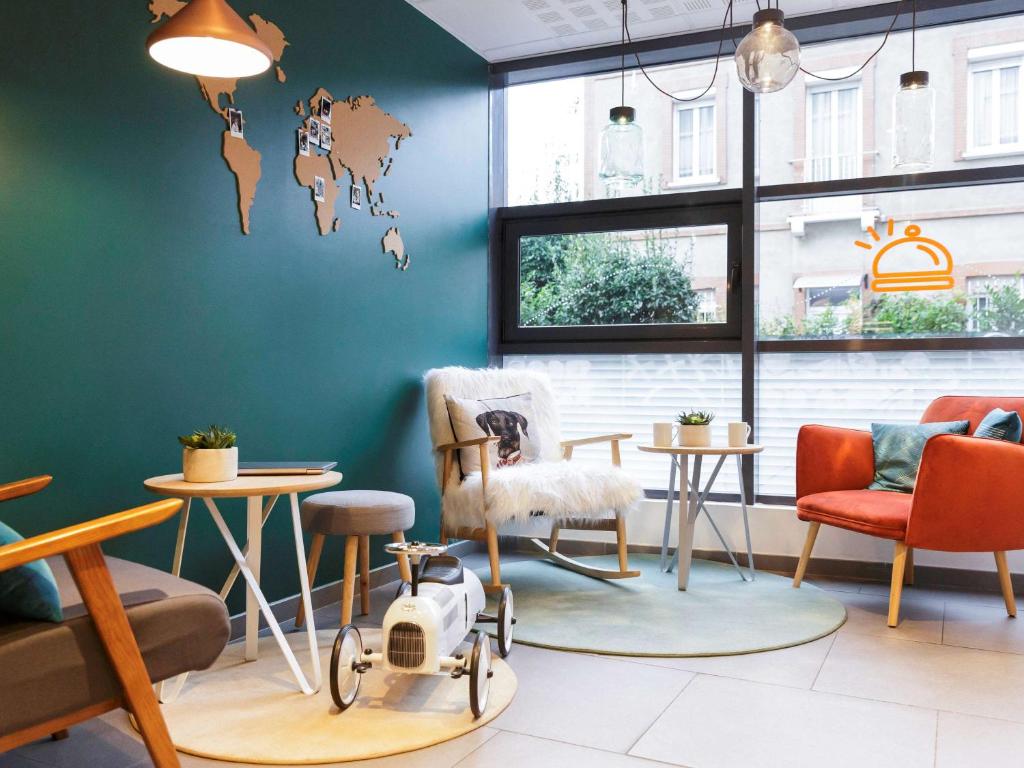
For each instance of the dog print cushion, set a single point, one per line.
(510, 419)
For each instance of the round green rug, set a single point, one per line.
(648, 616)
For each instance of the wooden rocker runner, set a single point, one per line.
(476, 505)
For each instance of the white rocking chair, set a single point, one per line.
(563, 494)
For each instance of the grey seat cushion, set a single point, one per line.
(48, 670)
(357, 513)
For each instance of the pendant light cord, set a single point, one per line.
(726, 22)
(622, 66)
(885, 39)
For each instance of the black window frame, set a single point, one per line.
(811, 29)
(584, 217)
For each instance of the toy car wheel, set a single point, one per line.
(404, 588)
(479, 674)
(345, 678)
(505, 622)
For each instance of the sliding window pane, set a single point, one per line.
(931, 263)
(818, 129)
(636, 277)
(553, 133)
(855, 389)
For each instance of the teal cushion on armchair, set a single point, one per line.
(898, 449)
(1001, 425)
(28, 591)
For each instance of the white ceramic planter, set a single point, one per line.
(209, 465)
(695, 435)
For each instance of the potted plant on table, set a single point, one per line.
(695, 428)
(209, 456)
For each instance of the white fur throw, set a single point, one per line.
(558, 489)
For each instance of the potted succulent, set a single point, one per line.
(695, 428)
(209, 456)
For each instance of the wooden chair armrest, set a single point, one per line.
(90, 532)
(24, 487)
(465, 444)
(596, 439)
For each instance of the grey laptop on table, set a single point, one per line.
(285, 467)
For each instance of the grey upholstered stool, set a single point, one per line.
(357, 515)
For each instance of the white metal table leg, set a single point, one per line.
(687, 517)
(254, 536)
(746, 523)
(668, 514)
(255, 592)
(233, 574)
(304, 589)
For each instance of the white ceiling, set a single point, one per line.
(510, 29)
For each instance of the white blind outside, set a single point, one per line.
(609, 393)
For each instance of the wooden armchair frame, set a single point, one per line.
(80, 547)
(489, 533)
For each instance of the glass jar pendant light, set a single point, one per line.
(622, 140)
(913, 115)
(769, 56)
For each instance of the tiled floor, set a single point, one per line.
(944, 690)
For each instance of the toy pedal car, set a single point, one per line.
(424, 627)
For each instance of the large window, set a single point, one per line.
(829, 289)
(996, 117)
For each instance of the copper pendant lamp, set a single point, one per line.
(207, 38)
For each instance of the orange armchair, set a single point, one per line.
(967, 497)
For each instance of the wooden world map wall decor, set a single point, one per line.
(336, 138)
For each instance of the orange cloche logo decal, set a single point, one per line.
(909, 263)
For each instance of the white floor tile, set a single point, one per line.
(723, 723)
(969, 741)
(513, 749)
(920, 618)
(982, 626)
(587, 700)
(795, 667)
(955, 679)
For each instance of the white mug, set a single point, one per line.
(739, 431)
(663, 434)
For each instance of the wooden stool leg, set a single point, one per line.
(348, 583)
(316, 547)
(364, 575)
(404, 571)
(89, 570)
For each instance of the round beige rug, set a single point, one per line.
(253, 712)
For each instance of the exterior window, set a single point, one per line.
(707, 306)
(996, 108)
(694, 155)
(992, 298)
(833, 133)
(837, 299)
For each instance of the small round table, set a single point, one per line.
(247, 559)
(695, 499)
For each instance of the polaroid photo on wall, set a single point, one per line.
(325, 136)
(235, 123)
(355, 197)
(304, 143)
(314, 131)
(326, 105)
(319, 189)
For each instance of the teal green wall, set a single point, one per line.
(133, 309)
